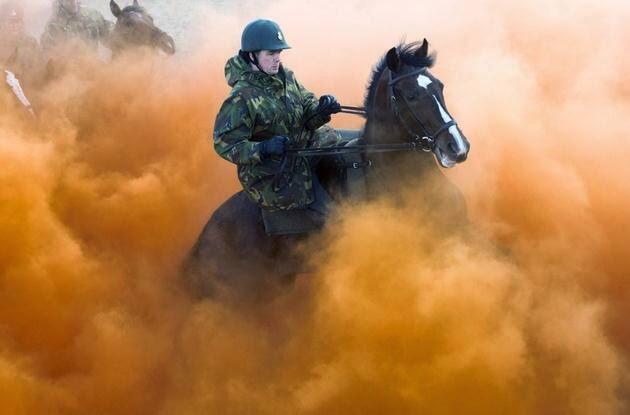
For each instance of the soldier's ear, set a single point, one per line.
(115, 8)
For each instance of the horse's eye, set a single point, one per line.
(412, 96)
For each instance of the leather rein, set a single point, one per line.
(424, 141)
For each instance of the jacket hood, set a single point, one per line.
(237, 69)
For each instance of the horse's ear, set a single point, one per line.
(393, 60)
(115, 8)
(423, 51)
(135, 3)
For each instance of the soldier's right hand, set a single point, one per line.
(275, 146)
(328, 105)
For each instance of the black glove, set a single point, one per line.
(328, 104)
(275, 146)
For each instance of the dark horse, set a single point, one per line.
(404, 107)
(135, 28)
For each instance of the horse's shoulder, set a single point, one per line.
(237, 209)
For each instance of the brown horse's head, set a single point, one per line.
(135, 28)
(407, 100)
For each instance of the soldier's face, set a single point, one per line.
(71, 6)
(269, 61)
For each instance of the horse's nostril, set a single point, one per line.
(460, 154)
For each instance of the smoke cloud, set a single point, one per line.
(103, 196)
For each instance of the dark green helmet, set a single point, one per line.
(263, 35)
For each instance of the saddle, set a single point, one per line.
(297, 221)
(351, 171)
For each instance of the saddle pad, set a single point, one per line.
(291, 222)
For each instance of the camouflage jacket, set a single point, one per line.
(88, 25)
(261, 106)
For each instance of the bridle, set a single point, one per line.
(427, 140)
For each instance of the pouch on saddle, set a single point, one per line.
(297, 221)
(353, 168)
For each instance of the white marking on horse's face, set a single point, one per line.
(445, 115)
(453, 129)
(424, 81)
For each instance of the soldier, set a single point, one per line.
(267, 112)
(19, 52)
(73, 21)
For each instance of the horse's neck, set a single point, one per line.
(393, 168)
(414, 179)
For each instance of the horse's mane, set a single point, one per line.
(407, 53)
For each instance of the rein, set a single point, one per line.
(359, 148)
(425, 141)
(346, 109)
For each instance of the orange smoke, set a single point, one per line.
(100, 204)
(103, 199)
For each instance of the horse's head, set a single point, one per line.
(135, 27)
(412, 101)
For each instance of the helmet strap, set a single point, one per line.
(254, 59)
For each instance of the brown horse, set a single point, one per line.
(405, 109)
(135, 28)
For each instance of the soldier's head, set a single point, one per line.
(70, 7)
(11, 18)
(262, 42)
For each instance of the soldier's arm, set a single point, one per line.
(233, 130)
(313, 120)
